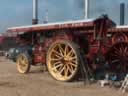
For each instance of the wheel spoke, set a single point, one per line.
(66, 50)
(58, 56)
(120, 50)
(21, 61)
(73, 61)
(117, 51)
(62, 70)
(72, 64)
(115, 61)
(66, 71)
(123, 48)
(24, 61)
(126, 50)
(57, 53)
(59, 69)
(72, 58)
(61, 50)
(70, 53)
(55, 59)
(70, 70)
(55, 67)
(115, 54)
(56, 63)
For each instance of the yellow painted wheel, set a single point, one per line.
(63, 60)
(22, 63)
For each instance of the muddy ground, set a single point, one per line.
(38, 83)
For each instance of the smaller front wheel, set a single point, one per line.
(22, 63)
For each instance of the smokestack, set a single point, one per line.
(122, 13)
(35, 12)
(86, 9)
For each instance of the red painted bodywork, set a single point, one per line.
(96, 33)
(1, 39)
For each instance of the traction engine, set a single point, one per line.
(63, 46)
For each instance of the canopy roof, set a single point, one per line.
(122, 28)
(69, 25)
(49, 26)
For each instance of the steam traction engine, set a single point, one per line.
(61, 45)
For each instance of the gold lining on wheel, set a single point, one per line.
(62, 61)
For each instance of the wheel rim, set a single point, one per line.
(118, 57)
(62, 61)
(22, 63)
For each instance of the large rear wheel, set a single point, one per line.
(63, 60)
(22, 63)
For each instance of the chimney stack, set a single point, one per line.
(86, 9)
(35, 12)
(122, 14)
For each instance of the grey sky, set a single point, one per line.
(19, 12)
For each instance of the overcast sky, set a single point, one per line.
(19, 12)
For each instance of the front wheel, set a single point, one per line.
(22, 63)
(63, 60)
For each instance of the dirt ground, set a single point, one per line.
(38, 83)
